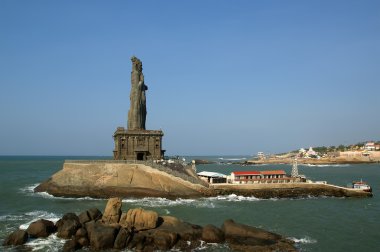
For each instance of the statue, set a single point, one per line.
(137, 111)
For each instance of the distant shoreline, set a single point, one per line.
(314, 161)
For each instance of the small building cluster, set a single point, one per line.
(212, 177)
(310, 153)
(261, 177)
(371, 146)
(250, 177)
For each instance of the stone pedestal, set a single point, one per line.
(138, 144)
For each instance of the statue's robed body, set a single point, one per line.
(137, 111)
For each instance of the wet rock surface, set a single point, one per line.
(143, 230)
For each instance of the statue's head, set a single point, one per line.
(137, 64)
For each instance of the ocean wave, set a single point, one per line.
(50, 244)
(11, 217)
(36, 215)
(29, 190)
(305, 240)
(211, 247)
(163, 202)
(29, 216)
(233, 198)
(210, 202)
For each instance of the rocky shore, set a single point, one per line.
(144, 230)
(113, 179)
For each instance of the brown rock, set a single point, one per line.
(139, 219)
(94, 213)
(137, 241)
(122, 238)
(18, 237)
(232, 229)
(84, 217)
(83, 241)
(186, 231)
(41, 228)
(212, 234)
(71, 245)
(112, 211)
(164, 239)
(241, 237)
(81, 232)
(68, 225)
(101, 236)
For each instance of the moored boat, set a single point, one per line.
(361, 185)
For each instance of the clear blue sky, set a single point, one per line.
(224, 77)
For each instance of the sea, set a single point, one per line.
(314, 223)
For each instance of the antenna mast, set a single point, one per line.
(295, 168)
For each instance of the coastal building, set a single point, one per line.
(261, 177)
(370, 146)
(260, 155)
(135, 142)
(138, 144)
(212, 177)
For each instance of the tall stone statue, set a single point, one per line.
(137, 111)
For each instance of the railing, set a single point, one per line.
(150, 163)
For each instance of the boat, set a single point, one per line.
(361, 185)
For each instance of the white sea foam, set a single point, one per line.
(304, 240)
(211, 247)
(49, 244)
(36, 215)
(29, 190)
(233, 198)
(210, 202)
(163, 202)
(11, 217)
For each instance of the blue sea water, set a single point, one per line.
(316, 224)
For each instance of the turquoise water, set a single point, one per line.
(316, 224)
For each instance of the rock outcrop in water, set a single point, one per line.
(142, 230)
(117, 179)
(113, 179)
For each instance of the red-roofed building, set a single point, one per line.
(276, 172)
(256, 177)
(246, 173)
